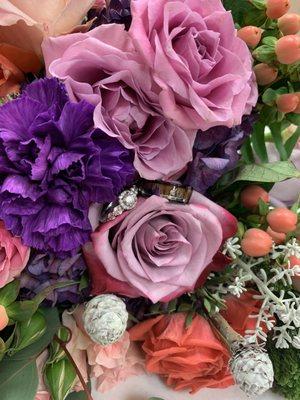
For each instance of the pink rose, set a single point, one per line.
(102, 67)
(203, 70)
(25, 23)
(13, 256)
(160, 249)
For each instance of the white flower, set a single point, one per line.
(291, 248)
(105, 319)
(232, 247)
(296, 341)
(237, 287)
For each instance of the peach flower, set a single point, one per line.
(42, 393)
(188, 358)
(111, 364)
(14, 62)
(239, 311)
(26, 23)
(13, 256)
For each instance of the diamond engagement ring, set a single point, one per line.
(126, 201)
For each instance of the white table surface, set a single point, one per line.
(143, 387)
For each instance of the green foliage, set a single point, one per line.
(9, 293)
(60, 377)
(270, 172)
(18, 373)
(286, 363)
(77, 396)
(244, 13)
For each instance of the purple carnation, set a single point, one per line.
(216, 152)
(118, 12)
(53, 165)
(44, 270)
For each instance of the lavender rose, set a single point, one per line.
(203, 71)
(53, 165)
(102, 67)
(160, 249)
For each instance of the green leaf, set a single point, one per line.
(271, 172)
(207, 305)
(184, 307)
(258, 142)
(9, 293)
(189, 319)
(21, 310)
(29, 332)
(56, 352)
(278, 140)
(263, 207)
(244, 13)
(60, 378)
(172, 306)
(247, 152)
(84, 282)
(293, 118)
(18, 374)
(291, 142)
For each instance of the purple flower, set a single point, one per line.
(44, 270)
(216, 152)
(53, 165)
(118, 12)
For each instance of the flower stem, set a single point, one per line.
(82, 381)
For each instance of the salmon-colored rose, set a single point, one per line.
(25, 23)
(188, 358)
(14, 63)
(13, 256)
(239, 311)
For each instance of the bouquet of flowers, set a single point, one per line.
(149, 196)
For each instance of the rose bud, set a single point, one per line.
(3, 317)
(289, 24)
(287, 103)
(277, 8)
(265, 74)
(251, 35)
(256, 243)
(278, 237)
(282, 220)
(251, 195)
(287, 49)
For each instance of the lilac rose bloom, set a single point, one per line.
(203, 71)
(102, 67)
(53, 165)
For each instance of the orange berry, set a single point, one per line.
(282, 220)
(256, 243)
(265, 74)
(277, 237)
(287, 103)
(3, 318)
(251, 35)
(251, 195)
(297, 109)
(277, 8)
(287, 49)
(289, 24)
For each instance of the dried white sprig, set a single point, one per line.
(232, 248)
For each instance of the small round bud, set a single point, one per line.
(3, 317)
(251, 195)
(265, 74)
(282, 220)
(277, 8)
(287, 49)
(256, 243)
(278, 237)
(251, 35)
(289, 24)
(297, 109)
(287, 103)
(105, 319)
(252, 369)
